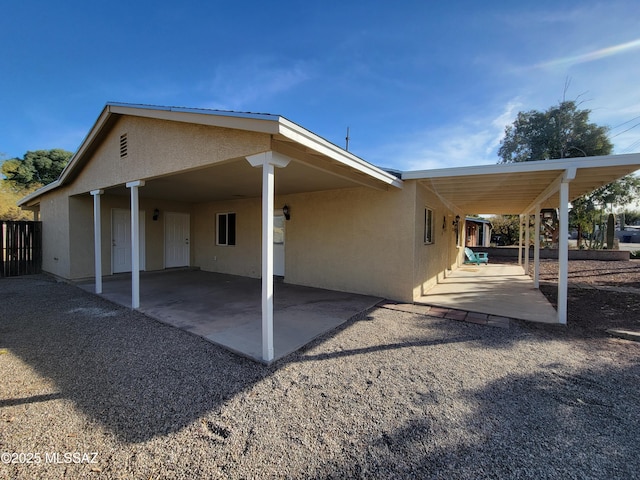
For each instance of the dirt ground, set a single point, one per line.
(602, 295)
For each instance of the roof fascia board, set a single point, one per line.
(33, 195)
(522, 167)
(86, 142)
(241, 121)
(310, 140)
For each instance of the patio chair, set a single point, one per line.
(476, 258)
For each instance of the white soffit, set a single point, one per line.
(511, 188)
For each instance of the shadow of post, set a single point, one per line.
(137, 377)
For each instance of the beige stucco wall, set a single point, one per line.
(355, 240)
(161, 147)
(82, 231)
(54, 214)
(433, 260)
(244, 258)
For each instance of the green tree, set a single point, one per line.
(563, 131)
(505, 229)
(36, 169)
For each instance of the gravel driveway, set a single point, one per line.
(389, 395)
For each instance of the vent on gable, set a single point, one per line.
(123, 145)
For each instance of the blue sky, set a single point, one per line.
(420, 84)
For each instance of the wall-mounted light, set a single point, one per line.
(156, 214)
(456, 224)
(286, 212)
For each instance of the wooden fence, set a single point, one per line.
(21, 248)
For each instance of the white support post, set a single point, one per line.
(268, 161)
(135, 243)
(526, 243)
(536, 250)
(563, 246)
(97, 238)
(520, 241)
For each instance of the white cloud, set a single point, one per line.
(251, 81)
(473, 141)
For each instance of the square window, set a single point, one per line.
(226, 234)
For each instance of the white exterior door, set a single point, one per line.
(121, 240)
(176, 240)
(278, 243)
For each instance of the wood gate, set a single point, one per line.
(21, 248)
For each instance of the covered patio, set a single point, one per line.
(226, 309)
(493, 289)
(523, 189)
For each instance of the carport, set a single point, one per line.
(226, 309)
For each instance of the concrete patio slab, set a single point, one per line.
(494, 289)
(226, 309)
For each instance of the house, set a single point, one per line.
(257, 195)
(478, 232)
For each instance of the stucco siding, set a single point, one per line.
(54, 214)
(356, 240)
(244, 258)
(434, 259)
(160, 147)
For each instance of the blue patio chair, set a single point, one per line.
(476, 258)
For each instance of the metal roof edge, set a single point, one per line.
(200, 111)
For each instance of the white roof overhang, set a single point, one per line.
(295, 141)
(517, 188)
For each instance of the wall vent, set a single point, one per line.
(123, 145)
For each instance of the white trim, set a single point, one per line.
(310, 140)
(97, 238)
(563, 253)
(269, 161)
(135, 243)
(536, 250)
(527, 220)
(522, 167)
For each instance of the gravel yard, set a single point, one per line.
(389, 395)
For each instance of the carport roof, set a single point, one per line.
(518, 187)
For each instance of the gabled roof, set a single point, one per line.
(284, 131)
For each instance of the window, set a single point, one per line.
(226, 229)
(428, 226)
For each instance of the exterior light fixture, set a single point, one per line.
(286, 212)
(156, 214)
(456, 224)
